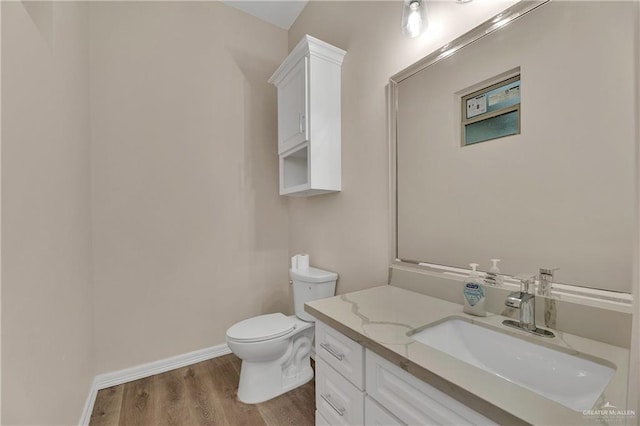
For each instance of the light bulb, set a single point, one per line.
(414, 18)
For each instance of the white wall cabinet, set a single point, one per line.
(309, 128)
(358, 387)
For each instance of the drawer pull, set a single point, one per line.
(327, 398)
(332, 351)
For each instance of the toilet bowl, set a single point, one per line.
(274, 348)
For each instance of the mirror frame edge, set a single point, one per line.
(491, 25)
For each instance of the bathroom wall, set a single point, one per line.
(348, 232)
(190, 234)
(47, 353)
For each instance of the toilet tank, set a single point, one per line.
(311, 284)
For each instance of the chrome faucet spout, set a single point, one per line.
(526, 303)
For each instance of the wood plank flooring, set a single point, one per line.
(200, 394)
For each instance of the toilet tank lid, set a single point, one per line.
(312, 275)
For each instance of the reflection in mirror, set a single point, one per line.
(560, 193)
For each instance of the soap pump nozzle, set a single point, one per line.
(493, 276)
(474, 272)
(494, 267)
(474, 275)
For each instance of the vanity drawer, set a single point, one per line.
(412, 400)
(375, 415)
(337, 400)
(340, 352)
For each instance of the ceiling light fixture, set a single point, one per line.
(414, 18)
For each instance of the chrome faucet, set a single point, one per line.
(525, 300)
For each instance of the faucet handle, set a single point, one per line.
(526, 279)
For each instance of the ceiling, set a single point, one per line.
(280, 13)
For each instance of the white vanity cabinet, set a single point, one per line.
(355, 386)
(309, 144)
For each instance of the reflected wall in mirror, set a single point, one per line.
(562, 193)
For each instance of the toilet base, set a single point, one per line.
(262, 381)
(264, 384)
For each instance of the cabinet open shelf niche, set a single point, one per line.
(294, 169)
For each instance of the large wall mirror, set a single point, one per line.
(560, 192)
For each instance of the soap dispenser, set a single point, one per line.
(473, 292)
(493, 276)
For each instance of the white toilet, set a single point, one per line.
(275, 348)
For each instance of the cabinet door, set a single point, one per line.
(293, 119)
(412, 400)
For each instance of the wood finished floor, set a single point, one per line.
(200, 394)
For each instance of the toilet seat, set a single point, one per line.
(261, 328)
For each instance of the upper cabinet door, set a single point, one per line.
(293, 117)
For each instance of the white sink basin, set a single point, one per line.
(570, 380)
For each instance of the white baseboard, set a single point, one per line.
(88, 405)
(106, 380)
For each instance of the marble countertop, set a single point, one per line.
(380, 317)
